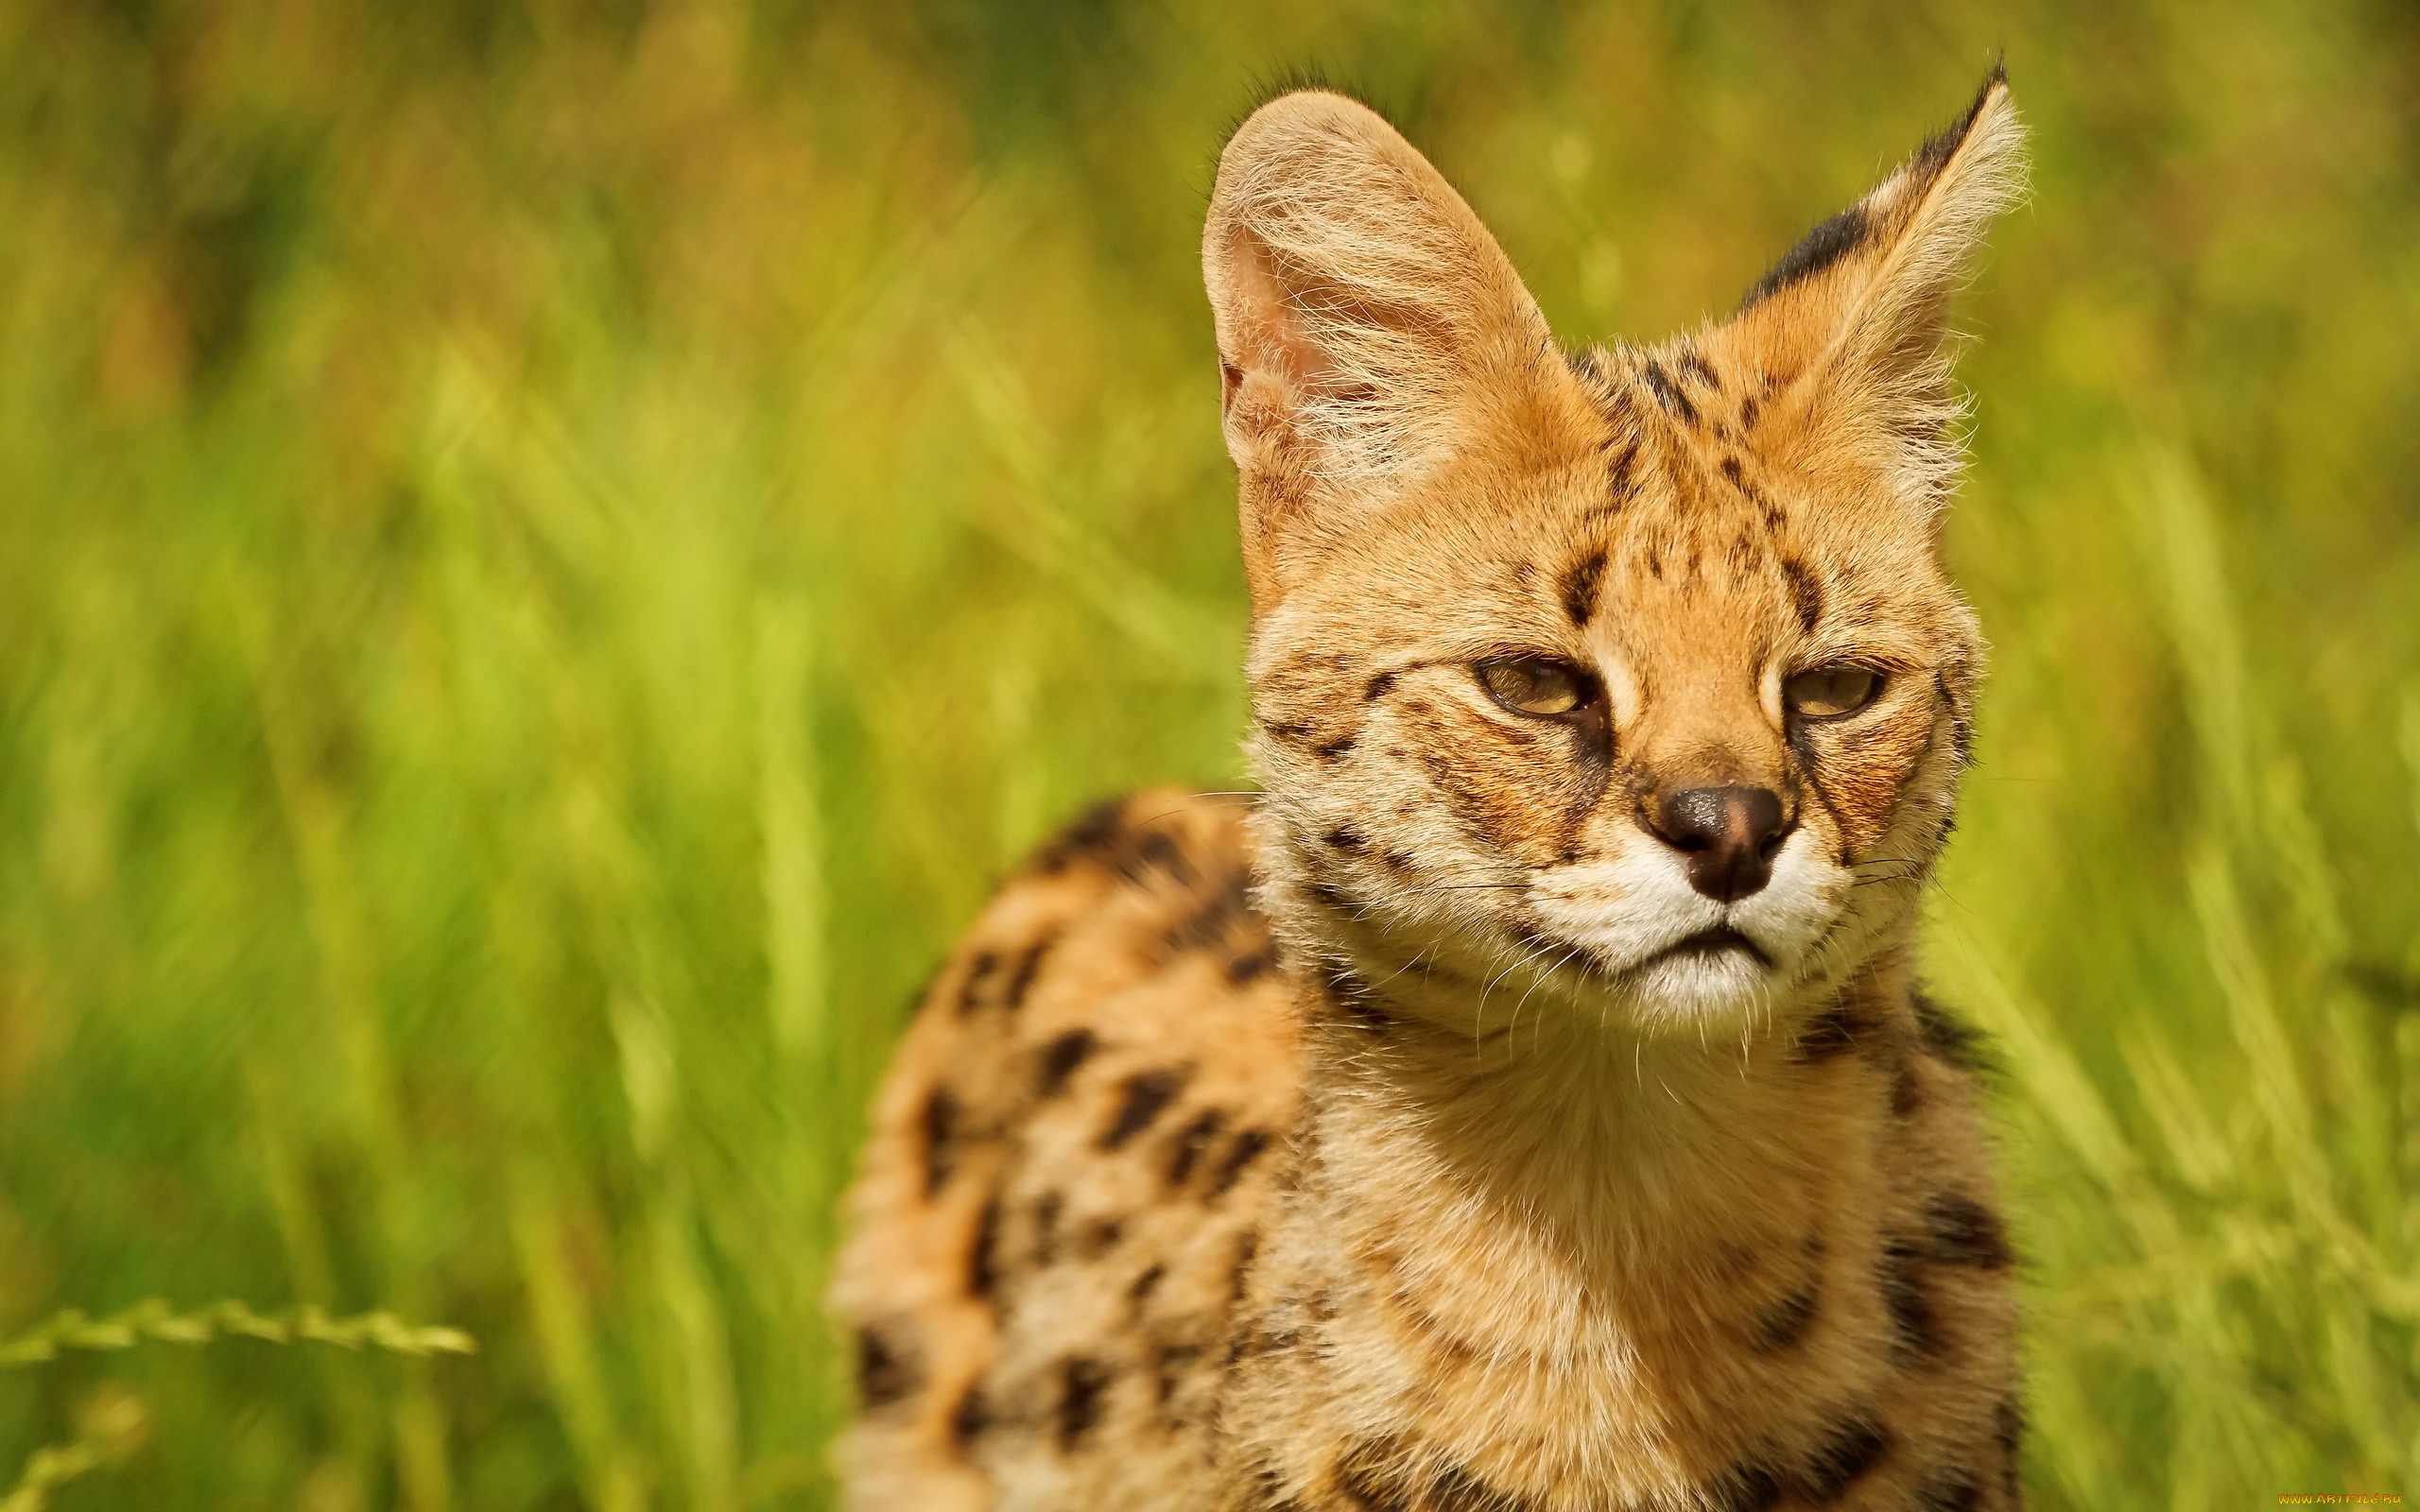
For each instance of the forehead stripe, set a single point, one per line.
(1579, 583)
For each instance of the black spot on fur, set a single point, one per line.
(939, 1122)
(1293, 735)
(969, 1418)
(982, 1260)
(1656, 564)
(1669, 394)
(1836, 1031)
(1748, 410)
(1785, 1322)
(1847, 1451)
(1903, 1301)
(1907, 1089)
(1247, 1149)
(1581, 581)
(1100, 1237)
(1751, 1486)
(1949, 1038)
(1021, 978)
(888, 1370)
(1145, 1284)
(1251, 967)
(978, 967)
(1060, 1057)
(1083, 1384)
(1090, 838)
(1818, 249)
(1190, 1142)
(1379, 687)
(1157, 850)
(1045, 1228)
(1209, 924)
(1170, 1363)
(1805, 592)
(1345, 837)
(1965, 1233)
(1148, 1094)
(1247, 1250)
(1335, 750)
(1950, 1492)
(1694, 364)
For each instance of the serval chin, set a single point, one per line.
(1526, 1104)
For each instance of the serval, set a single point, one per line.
(1528, 1103)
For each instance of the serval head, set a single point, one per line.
(1628, 681)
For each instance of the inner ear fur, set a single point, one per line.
(1368, 324)
(1858, 313)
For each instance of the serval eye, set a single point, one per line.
(1828, 693)
(1533, 685)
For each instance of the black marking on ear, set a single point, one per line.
(1147, 1095)
(1694, 364)
(1852, 1447)
(1581, 581)
(1669, 394)
(889, 1370)
(1805, 592)
(1940, 149)
(1910, 1309)
(939, 1122)
(1817, 250)
(1965, 1233)
(1060, 1059)
(1083, 1383)
(1189, 1143)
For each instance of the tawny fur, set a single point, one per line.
(1384, 1143)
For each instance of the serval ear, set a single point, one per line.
(1368, 323)
(1857, 317)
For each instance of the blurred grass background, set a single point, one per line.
(549, 555)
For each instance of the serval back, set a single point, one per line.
(1528, 1103)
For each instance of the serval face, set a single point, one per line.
(1628, 684)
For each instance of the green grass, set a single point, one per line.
(548, 558)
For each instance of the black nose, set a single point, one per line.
(1729, 834)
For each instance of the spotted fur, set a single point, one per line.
(1432, 1134)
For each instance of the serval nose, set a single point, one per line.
(1729, 836)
